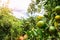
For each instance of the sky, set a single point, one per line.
(19, 7)
(19, 4)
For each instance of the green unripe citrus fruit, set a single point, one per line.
(40, 23)
(57, 9)
(51, 28)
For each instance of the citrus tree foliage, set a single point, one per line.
(34, 27)
(35, 6)
(46, 27)
(9, 25)
(52, 11)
